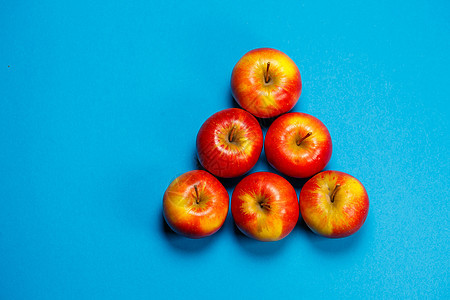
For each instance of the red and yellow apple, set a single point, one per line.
(264, 206)
(298, 145)
(334, 204)
(266, 82)
(195, 204)
(229, 143)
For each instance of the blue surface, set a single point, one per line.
(100, 104)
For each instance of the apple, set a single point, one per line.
(334, 204)
(195, 204)
(264, 206)
(298, 145)
(266, 82)
(229, 143)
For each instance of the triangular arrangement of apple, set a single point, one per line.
(266, 83)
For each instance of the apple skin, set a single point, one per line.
(195, 204)
(264, 206)
(229, 143)
(266, 99)
(298, 145)
(338, 215)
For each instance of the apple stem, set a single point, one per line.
(264, 205)
(303, 138)
(267, 78)
(231, 134)
(197, 198)
(334, 192)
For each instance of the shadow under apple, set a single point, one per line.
(327, 245)
(297, 183)
(233, 102)
(182, 243)
(230, 183)
(196, 163)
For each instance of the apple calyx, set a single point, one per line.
(264, 205)
(299, 141)
(267, 77)
(334, 192)
(231, 134)
(197, 198)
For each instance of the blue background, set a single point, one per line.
(100, 104)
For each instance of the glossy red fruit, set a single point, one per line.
(298, 145)
(195, 204)
(264, 206)
(229, 143)
(266, 82)
(334, 204)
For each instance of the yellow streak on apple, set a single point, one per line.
(268, 227)
(178, 212)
